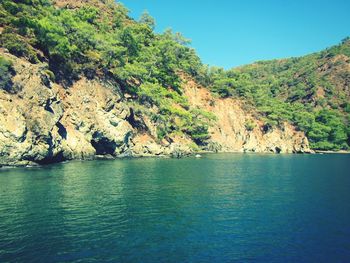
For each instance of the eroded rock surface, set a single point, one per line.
(231, 132)
(42, 122)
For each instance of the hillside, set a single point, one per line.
(81, 79)
(311, 92)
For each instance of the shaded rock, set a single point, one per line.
(178, 150)
(43, 122)
(213, 147)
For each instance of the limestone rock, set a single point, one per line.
(43, 122)
(230, 134)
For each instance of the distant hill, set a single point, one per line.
(312, 92)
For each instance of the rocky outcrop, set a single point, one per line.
(237, 130)
(42, 122)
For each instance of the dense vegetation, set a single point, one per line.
(6, 73)
(312, 92)
(106, 43)
(99, 40)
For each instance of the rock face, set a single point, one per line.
(42, 122)
(237, 130)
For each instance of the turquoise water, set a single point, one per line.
(221, 208)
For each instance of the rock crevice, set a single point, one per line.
(42, 122)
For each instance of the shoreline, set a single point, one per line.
(186, 155)
(332, 152)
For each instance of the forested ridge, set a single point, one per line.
(98, 40)
(312, 92)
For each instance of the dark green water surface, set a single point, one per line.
(221, 208)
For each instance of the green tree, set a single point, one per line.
(147, 19)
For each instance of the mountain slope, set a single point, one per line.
(81, 79)
(312, 92)
(43, 122)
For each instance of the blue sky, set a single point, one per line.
(230, 33)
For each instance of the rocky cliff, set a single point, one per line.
(237, 130)
(43, 122)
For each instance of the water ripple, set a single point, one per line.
(221, 208)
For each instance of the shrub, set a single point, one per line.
(6, 73)
(18, 47)
(50, 74)
(199, 133)
(250, 125)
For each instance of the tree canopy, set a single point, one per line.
(312, 92)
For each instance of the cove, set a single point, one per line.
(219, 208)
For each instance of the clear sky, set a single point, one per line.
(230, 33)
